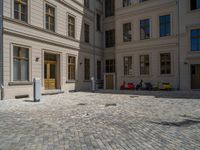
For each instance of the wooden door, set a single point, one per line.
(109, 82)
(50, 75)
(195, 76)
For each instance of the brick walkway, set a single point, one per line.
(152, 121)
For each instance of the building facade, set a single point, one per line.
(65, 43)
(155, 41)
(56, 41)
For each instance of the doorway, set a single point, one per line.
(50, 71)
(109, 81)
(195, 76)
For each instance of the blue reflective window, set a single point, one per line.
(165, 25)
(195, 40)
(145, 29)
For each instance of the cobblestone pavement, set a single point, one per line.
(83, 120)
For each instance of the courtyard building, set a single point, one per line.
(65, 43)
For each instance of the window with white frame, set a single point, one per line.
(20, 63)
(128, 65)
(50, 18)
(127, 32)
(71, 26)
(21, 10)
(71, 68)
(127, 3)
(165, 63)
(144, 64)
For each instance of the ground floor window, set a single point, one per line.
(165, 63)
(127, 65)
(98, 70)
(71, 68)
(110, 65)
(87, 69)
(20, 63)
(144, 64)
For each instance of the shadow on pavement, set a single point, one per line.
(156, 94)
(184, 123)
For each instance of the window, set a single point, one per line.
(98, 22)
(87, 33)
(87, 69)
(71, 26)
(110, 38)
(71, 68)
(141, 1)
(20, 64)
(164, 25)
(127, 3)
(194, 4)
(87, 3)
(195, 40)
(144, 64)
(109, 8)
(127, 32)
(21, 10)
(144, 29)
(98, 70)
(165, 63)
(110, 66)
(128, 65)
(50, 18)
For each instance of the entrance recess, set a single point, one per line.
(195, 76)
(50, 71)
(109, 81)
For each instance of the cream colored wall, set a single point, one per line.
(188, 20)
(34, 36)
(153, 46)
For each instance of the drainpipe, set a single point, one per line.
(94, 41)
(179, 39)
(1, 51)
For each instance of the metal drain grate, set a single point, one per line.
(82, 104)
(112, 104)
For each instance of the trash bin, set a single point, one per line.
(93, 84)
(37, 90)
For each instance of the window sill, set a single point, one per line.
(166, 75)
(194, 11)
(71, 81)
(20, 83)
(86, 81)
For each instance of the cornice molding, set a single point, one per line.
(123, 12)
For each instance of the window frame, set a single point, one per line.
(170, 25)
(145, 64)
(70, 15)
(110, 66)
(109, 44)
(129, 66)
(127, 3)
(197, 8)
(28, 11)
(29, 63)
(127, 40)
(86, 36)
(45, 21)
(87, 76)
(69, 66)
(144, 19)
(171, 62)
(198, 46)
(99, 72)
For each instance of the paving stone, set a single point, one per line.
(80, 121)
